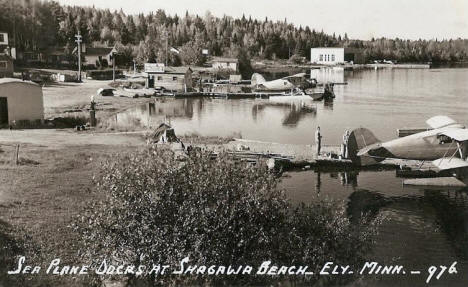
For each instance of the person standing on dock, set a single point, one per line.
(318, 140)
(344, 145)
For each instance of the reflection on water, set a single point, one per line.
(421, 227)
(398, 98)
(218, 117)
(332, 74)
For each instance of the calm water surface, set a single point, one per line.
(423, 227)
(381, 100)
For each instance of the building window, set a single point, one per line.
(174, 78)
(333, 58)
(321, 57)
(2, 38)
(159, 78)
(3, 64)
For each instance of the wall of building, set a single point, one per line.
(225, 65)
(91, 60)
(327, 56)
(6, 68)
(174, 82)
(24, 98)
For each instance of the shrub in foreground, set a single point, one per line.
(216, 211)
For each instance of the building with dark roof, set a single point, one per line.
(170, 78)
(97, 56)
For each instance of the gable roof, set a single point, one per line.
(177, 70)
(100, 51)
(14, 80)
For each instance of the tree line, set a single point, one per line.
(35, 25)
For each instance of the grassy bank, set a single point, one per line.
(40, 197)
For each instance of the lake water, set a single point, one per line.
(423, 227)
(381, 100)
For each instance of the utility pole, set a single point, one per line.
(78, 41)
(113, 66)
(167, 36)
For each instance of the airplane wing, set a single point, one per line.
(447, 163)
(440, 122)
(459, 135)
(300, 75)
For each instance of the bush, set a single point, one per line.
(217, 212)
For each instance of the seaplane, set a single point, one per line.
(442, 148)
(286, 84)
(290, 88)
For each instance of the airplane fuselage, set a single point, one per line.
(428, 145)
(276, 86)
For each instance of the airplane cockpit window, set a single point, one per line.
(443, 139)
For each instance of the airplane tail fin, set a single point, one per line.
(257, 79)
(359, 139)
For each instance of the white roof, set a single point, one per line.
(460, 135)
(14, 80)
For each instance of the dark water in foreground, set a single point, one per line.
(423, 227)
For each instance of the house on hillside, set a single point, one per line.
(170, 78)
(6, 66)
(20, 101)
(223, 63)
(97, 56)
(56, 56)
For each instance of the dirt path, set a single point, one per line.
(73, 99)
(69, 137)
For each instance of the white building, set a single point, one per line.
(334, 56)
(20, 101)
(222, 63)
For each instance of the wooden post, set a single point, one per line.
(17, 154)
(92, 116)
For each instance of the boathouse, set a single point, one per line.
(170, 78)
(223, 63)
(335, 56)
(20, 101)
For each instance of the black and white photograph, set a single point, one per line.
(233, 143)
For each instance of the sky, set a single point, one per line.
(360, 19)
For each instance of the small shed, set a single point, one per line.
(20, 101)
(170, 78)
(6, 66)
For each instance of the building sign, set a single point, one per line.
(3, 38)
(205, 51)
(154, 68)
